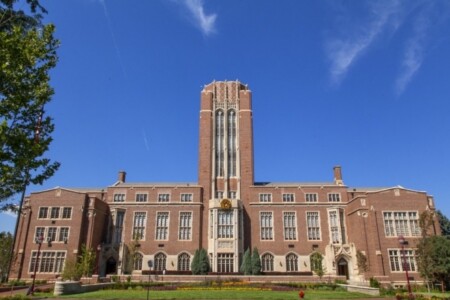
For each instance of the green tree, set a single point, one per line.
(424, 249)
(200, 262)
(195, 264)
(246, 266)
(86, 261)
(444, 223)
(256, 262)
(72, 270)
(433, 259)
(27, 54)
(133, 252)
(316, 264)
(6, 240)
(361, 259)
(203, 262)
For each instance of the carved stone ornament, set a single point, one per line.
(225, 204)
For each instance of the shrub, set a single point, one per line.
(373, 282)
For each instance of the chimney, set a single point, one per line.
(338, 175)
(122, 176)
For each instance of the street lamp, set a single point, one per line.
(403, 242)
(150, 266)
(39, 241)
(99, 248)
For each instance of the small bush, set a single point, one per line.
(374, 282)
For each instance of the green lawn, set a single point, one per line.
(214, 294)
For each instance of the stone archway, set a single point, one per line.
(342, 267)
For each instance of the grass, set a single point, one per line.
(213, 294)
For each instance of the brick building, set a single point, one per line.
(225, 212)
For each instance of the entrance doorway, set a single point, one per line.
(111, 266)
(342, 267)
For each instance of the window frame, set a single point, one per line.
(265, 197)
(308, 195)
(137, 197)
(288, 197)
(334, 197)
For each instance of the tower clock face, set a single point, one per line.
(225, 204)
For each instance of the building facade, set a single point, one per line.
(225, 212)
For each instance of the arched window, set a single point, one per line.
(137, 261)
(184, 262)
(291, 262)
(160, 262)
(231, 143)
(220, 123)
(267, 263)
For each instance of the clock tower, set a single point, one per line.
(225, 170)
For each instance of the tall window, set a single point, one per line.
(267, 263)
(67, 213)
(225, 262)
(312, 221)
(311, 197)
(220, 123)
(337, 229)
(401, 223)
(49, 261)
(290, 226)
(225, 220)
(40, 231)
(184, 262)
(397, 263)
(231, 143)
(160, 262)
(54, 213)
(266, 225)
(137, 261)
(162, 225)
(185, 226)
(51, 234)
(139, 225)
(291, 263)
(334, 228)
(43, 212)
(63, 234)
(119, 227)
(141, 197)
(288, 197)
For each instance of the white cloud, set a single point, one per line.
(343, 52)
(414, 53)
(205, 22)
(9, 213)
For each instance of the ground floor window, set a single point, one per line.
(48, 261)
(291, 263)
(399, 262)
(184, 262)
(225, 262)
(160, 262)
(137, 261)
(267, 262)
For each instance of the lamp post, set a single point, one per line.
(99, 248)
(39, 241)
(403, 242)
(150, 266)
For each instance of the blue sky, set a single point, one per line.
(361, 84)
